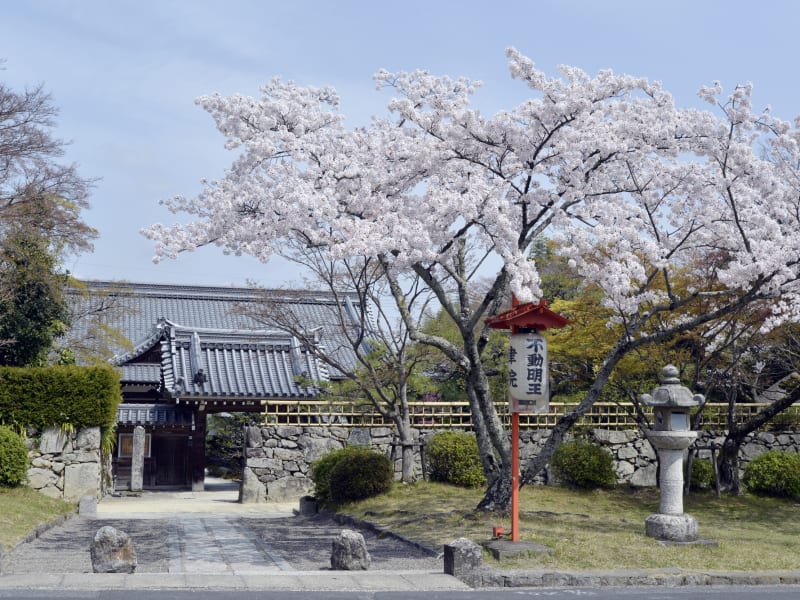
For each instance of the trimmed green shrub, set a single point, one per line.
(774, 473)
(44, 397)
(582, 464)
(452, 457)
(321, 476)
(360, 473)
(350, 473)
(702, 475)
(13, 458)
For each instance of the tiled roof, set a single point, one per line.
(144, 374)
(134, 309)
(213, 363)
(154, 414)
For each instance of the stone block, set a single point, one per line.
(53, 441)
(252, 436)
(647, 451)
(87, 456)
(644, 477)
(624, 470)
(41, 463)
(288, 431)
(360, 436)
(252, 491)
(112, 551)
(88, 439)
(463, 559)
(271, 464)
(288, 488)
(286, 454)
(308, 506)
(612, 436)
(750, 451)
(87, 506)
(41, 478)
(82, 479)
(52, 491)
(316, 448)
(349, 552)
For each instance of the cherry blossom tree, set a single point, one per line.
(679, 216)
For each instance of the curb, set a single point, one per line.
(655, 578)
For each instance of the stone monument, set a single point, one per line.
(671, 436)
(137, 459)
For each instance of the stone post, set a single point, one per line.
(137, 460)
(463, 559)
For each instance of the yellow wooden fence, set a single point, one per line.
(443, 415)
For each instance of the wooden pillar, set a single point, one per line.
(197, 452)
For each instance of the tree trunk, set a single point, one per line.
(406, 441)
(729, 464)
(493, 442)
(498, 494)
(729, 455)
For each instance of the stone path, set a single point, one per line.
(220, 545)
(207, 543)
(207, 540)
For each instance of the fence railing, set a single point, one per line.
(456, 415)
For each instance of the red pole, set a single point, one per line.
(514, 458)
(515, 477)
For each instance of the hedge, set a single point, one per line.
(43, 397)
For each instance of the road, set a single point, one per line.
(627, 593)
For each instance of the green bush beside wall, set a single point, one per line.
(43, 397)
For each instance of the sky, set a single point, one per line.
(124, 75)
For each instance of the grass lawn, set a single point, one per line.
(23, 509)
(602, 529)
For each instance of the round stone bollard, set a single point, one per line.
(112, 551)
(349, 552)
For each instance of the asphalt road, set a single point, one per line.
(628, 593)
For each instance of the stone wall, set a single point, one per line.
(65, 465)
(278, 458)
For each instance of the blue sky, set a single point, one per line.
(125, 76)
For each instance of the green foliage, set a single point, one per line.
(13, 458)
(53, 396)
(321, 475)
(774, 473)
(702, 475)
(360, 473)
(453, 457)
(224, 443)
(33, 311)
(351, 473)
(582, 464)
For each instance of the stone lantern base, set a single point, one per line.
(671, 528)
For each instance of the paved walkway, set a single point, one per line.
(209, 540)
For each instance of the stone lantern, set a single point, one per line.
(670, 436)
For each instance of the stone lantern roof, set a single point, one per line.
(671, 393)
